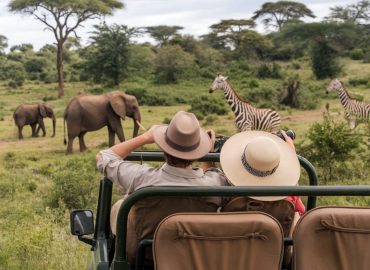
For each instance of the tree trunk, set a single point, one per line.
(291, 99)
(60, 69)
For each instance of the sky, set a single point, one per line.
(194, 15)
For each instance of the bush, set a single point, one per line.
(145, 97)
(75, 185)
(357, 82)
(324, 61)
(367, 57)
(357, 54)
(269, 71)
(331, 144)
(204, 105)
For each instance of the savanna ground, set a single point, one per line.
(39, 183)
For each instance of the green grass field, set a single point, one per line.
(34, 223)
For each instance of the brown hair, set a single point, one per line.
(177, 162)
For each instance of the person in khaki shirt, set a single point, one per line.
(182, 142)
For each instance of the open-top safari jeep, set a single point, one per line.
(353, 232)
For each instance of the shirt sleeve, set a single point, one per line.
(118, 170)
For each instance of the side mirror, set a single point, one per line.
(82, 222)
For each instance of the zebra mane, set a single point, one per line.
(345, 90)
(237, 95)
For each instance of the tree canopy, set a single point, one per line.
(3, 43)
(355, 13)
(163, 33)
(276, 14)
(62, 18)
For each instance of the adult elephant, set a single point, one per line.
(89, 113)
(33, 115)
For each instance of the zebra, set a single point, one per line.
(247, 116)
(352, 107)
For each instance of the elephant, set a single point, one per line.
(33, 115)
(86, 113)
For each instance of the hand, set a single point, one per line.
(148, 135)
(288, 140)
(212, 136)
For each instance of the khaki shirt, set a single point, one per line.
(132, 176)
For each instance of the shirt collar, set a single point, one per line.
(180, 172)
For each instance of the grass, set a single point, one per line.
(34, 234)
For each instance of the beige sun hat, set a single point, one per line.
(258, 158)
(183, 138)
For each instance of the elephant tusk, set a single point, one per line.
(140, 125)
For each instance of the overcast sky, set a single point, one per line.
(194, 15)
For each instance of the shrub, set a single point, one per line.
(324, 61)
(357, 54)
(204, 105)
(331, 144)
(75, 185)
(272, 71)
(367, 57)
(359, 81)
(145, 97)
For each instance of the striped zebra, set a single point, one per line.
(247, 116)
(352, 108)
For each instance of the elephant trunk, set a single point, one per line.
(137, 118)
(54, 122)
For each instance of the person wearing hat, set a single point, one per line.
(258, 158)
(182, 142)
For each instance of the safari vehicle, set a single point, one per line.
(346, 230)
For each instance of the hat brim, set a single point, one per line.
(204, 147)
(286, 174)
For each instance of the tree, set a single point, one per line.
(355, 13)
(170, 62)
(163, 33)
(3, 44)
(62, 18)
(276, 14)
(108, 55)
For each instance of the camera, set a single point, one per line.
(289, 133)
(220, 141)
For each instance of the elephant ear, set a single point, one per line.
(118, 105)
(42, 110)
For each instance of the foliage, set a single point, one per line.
(73, 185)
(3, 44)
(170, 62)
(272, 71)
(357, 54)
(355, 13)
(358, 81)
(324, 62)
(149, 98)
(108, 56)
(14, 72)
(330, 145)
(205, 105)
(163, 33)
(276, 14)
(62, 18)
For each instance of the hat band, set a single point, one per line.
(254, 171)
(181, 147)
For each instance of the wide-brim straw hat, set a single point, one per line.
(183, 138)
(258, 158)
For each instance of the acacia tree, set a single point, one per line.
(355, 13)
(276, 14)
(163, 33)
(62, 18)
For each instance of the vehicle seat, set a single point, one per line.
(218, 241)
(332, 238)
(146, 214)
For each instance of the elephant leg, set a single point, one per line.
(20, 135)
(82, 141)
(70, 144)
(33, 127)
(119, 132)
(111, 135)
(42, 126)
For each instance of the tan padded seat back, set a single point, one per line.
(333, 238)
(146, 214)
(282, 210)
(220, 241)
